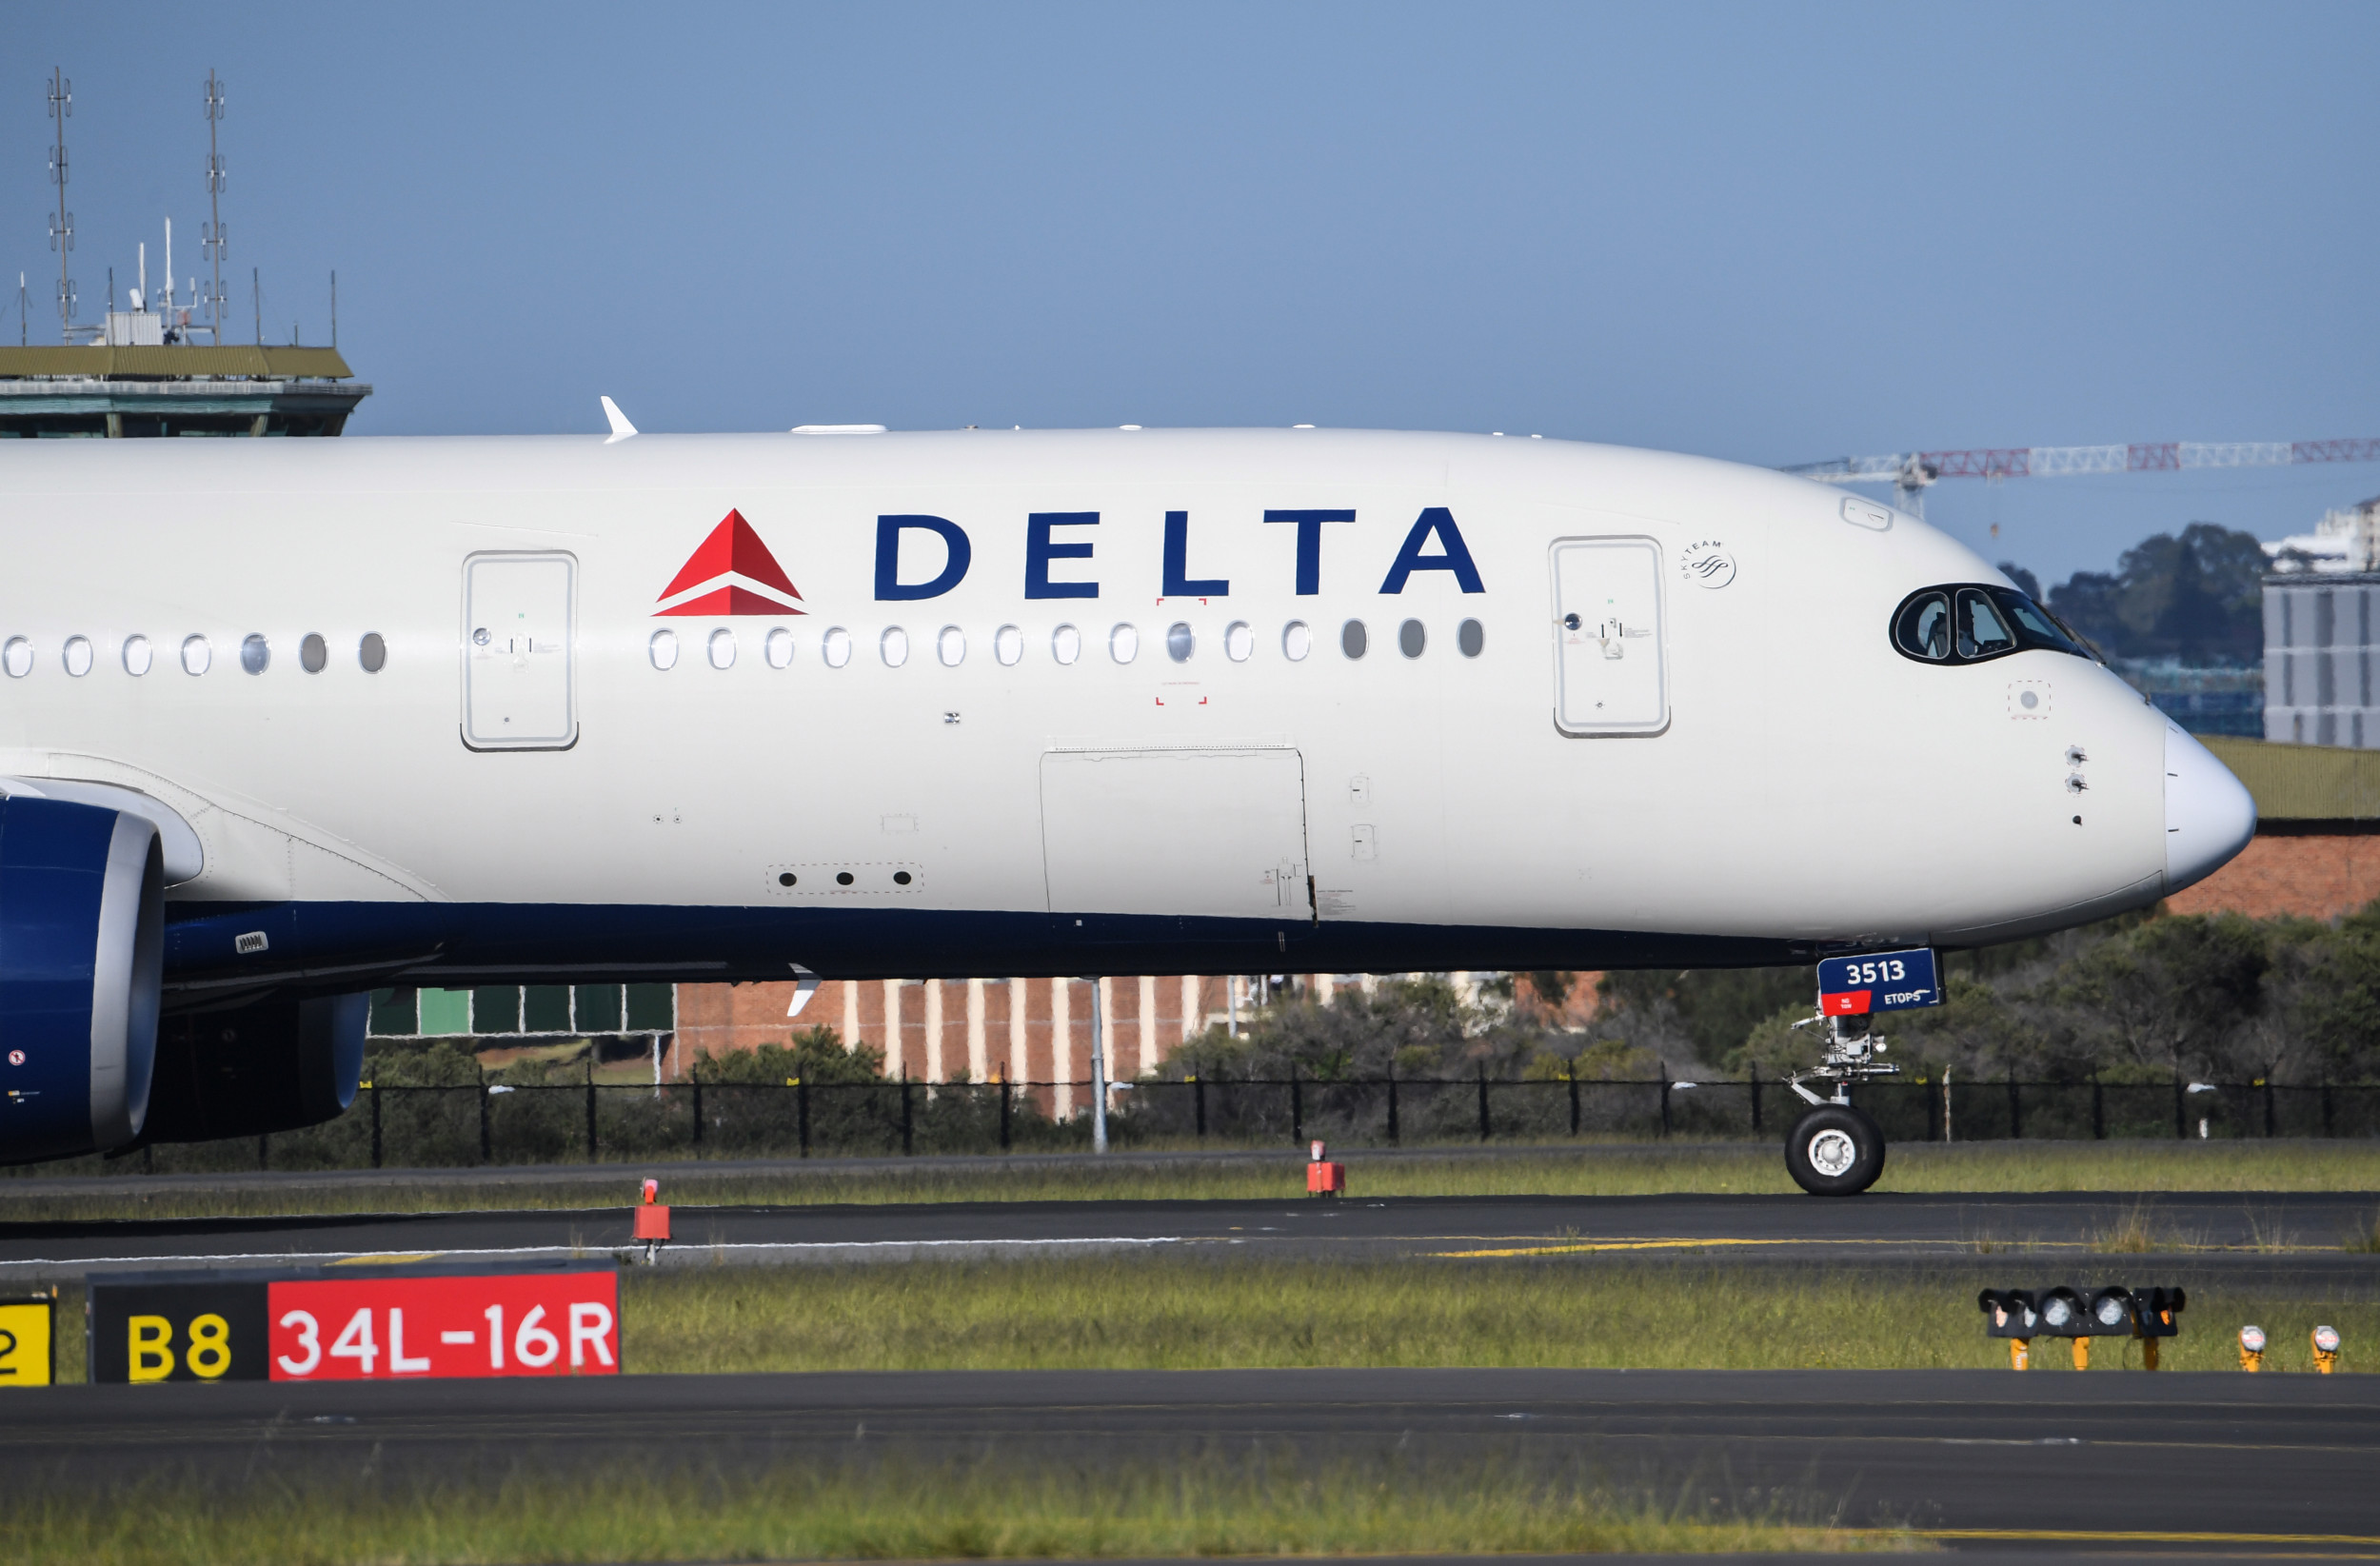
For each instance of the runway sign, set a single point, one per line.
(358, 1326)
(26, 1358)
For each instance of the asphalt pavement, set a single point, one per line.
(1978, 1457)
(2304, 1229)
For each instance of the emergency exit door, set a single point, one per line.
(1611, 657)
(518, 693)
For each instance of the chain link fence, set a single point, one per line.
(416, 1127)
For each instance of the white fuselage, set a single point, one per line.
(1774, 777)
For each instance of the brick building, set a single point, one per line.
(2316, 852)
(1018, 1030)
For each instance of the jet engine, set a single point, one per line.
(273, 1065)
(82, 963)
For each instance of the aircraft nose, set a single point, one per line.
(2209, 814)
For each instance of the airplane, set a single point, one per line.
(289, 721)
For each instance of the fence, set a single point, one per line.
(415, 1127)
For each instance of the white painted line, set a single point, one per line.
(581, 1252)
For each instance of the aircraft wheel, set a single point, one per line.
(1835, 1151)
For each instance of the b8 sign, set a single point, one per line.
(383, 1329)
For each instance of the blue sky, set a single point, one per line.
(1767, 232)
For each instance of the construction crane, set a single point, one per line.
(1910, 472)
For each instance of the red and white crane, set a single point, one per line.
(1910, 472)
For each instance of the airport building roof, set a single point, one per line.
(102, 362)
(178, 389)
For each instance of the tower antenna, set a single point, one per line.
(216, 243)
(62, 227)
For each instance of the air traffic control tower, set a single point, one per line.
(130, 388)
(139, 372)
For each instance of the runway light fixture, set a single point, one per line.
(2251, 1348)
(2153, 1313)
(2079, 1314)
(2325, 1350)
(2062, 1316)
(2010, 1314)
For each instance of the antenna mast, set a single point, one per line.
(215, 242)
(62, 227)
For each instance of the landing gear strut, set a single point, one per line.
(1836, 1150)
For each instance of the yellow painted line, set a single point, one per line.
(1683, 1244)
(2095, 1535)
(386, 1258)
(1996, 1246)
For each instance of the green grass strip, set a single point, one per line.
(1196, 1312)
(1584, 1169)
(892, 1507)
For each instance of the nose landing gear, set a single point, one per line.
(1835, 1149)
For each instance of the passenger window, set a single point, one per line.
(1924, 627)
(1981, 631)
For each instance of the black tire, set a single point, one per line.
(1835, 1151)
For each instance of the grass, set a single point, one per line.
(1585, 1169)
(1201, 1311)
(871, 1506)
(1187, 1312)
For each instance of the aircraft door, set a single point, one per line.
(518, 632)
(1610, 655)
(1220, 833)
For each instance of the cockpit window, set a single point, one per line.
(2034, 624)
(1969, 623)
(1981, 631)
(1923, 628)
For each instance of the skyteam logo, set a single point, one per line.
(732, 572)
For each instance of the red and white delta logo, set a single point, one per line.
(732, 572)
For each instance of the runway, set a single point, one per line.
(1981, 1457)
(2304, 1229)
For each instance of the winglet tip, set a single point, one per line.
(620, 428)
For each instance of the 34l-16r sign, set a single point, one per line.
(362, 1327)
(1853, 986)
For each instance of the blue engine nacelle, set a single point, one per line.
(82, 967)
(273, 1065)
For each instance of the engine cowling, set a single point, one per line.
(276, 1066)
(82, 967)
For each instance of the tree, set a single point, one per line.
(1419, 1026)
(2026, 582)
(814, 1055)
(2163, 996)
(1702, 1014)
(2198, 598)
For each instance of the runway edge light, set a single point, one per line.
(2251, 1348)
(2326, 1349)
